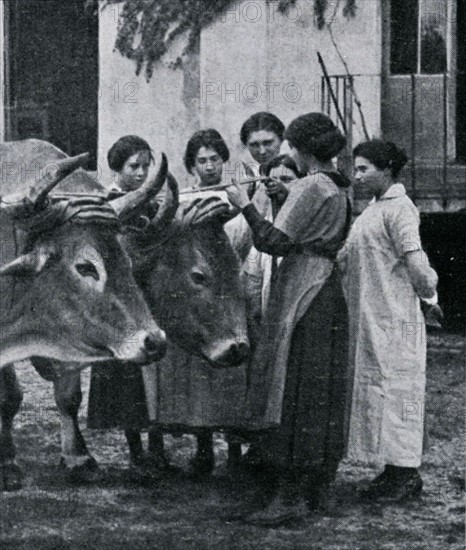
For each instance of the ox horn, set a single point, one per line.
(38, 192)
(131, 203)
(169, 206)
(27, 264)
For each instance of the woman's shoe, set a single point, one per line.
(376, 487)
(394, 484)
(405, 488)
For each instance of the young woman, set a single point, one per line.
(204, 398)
(116, 396)
(205, 155)
(130, 158)
(298, 375)
(386, 274)
(262, 134)
(258, 266)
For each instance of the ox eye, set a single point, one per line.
(87, 269)
(199, 278)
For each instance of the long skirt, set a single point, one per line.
(312, 433)
(117, 398)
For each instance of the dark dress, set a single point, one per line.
(117, 397)
(299, 374)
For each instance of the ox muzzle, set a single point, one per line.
(142, 347)
(228, 353)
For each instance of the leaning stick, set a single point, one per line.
(332, 93)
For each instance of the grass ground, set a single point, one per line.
(179, 514)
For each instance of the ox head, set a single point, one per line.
(72, 293)
(189, 274)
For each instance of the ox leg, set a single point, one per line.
(74, 454)
(11, 397)
(203, 463)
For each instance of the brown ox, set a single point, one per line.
(67, 289)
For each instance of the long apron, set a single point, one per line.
(387, 335)
(312, 433)
(186, 392)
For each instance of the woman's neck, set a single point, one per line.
(384, 187)
(319, 166)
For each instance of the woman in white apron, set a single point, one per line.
(386, 273)
(297, 393)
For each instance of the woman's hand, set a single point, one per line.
(237, 195)
(275, 188)
(433, 314)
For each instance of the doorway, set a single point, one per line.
(52, 74)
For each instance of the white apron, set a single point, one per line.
(387, 334)
(314, 215)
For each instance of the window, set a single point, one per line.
(418, 30)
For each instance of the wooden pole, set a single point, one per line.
(332, 93)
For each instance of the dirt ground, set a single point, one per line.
(178, 513)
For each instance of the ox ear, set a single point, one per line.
(202, 211)
(28, 264)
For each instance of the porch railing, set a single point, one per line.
(417, 113)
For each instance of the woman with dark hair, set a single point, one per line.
(386, 273)
(258, 266)
(116, 395)
(262, 133)
(206, 153)
(298, 374)
(203, 399)
(130, 158)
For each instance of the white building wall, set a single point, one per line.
(251, 59)
(160, 111)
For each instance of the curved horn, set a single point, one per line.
(169, 206)
(25, 205)
(129, 204)
(38, 192)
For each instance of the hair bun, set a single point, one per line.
(315, 134)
